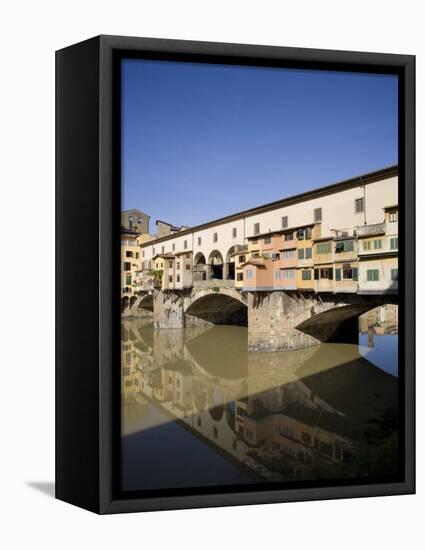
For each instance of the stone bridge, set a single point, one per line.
(276, 321)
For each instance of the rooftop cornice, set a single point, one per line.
(364, 179)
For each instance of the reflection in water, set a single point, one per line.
(199, 410)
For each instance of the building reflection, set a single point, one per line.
(324, 412)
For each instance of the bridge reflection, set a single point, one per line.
(314, 413)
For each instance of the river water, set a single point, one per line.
(198, 410)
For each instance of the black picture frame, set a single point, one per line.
(87, 277)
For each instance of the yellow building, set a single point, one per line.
(130, 263)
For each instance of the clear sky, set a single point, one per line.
(202, 141)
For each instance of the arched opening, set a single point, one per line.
(215, 263)
(133, 300)
(199, 268)
(124, 303)
(146, 303)
(219, 309)
(230, 264)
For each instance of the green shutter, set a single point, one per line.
(355, 274)
(337, 274)
(316, 274)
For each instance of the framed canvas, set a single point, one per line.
(235, 274)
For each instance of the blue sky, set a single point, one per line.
(202, 141)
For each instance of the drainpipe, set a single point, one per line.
(364, 204)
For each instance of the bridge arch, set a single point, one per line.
(337, 324)
(146, 303)
(225, 307)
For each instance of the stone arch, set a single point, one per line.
(215, 265)
(199, 267)
(226, 307)
(229, 266)
(337, 324)
(146, 303)
(124, 303)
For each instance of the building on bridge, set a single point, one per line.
(342, 238)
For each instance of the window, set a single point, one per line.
(372, 274)
(359, 205)
(185, 244)
(344, 246)
(199, 241)
(153, 251)
(323, 248)
(306, 275)
(306, 438)
(139, 220)
(267, 240)
(178, 278)
(256, 228)
(326, 273)
(393, 216)
(288, 253)
(128, 254)
(301, 253)
(234, 232)
(254, 241)
(242, 259)
(170, 279)
(128, 279)
(215, 237)
(162, 249)
(288, 236)
(288, 273)
(317, 215)
(130, 221)
(308, 253)
(350, 273)
(178, 265)
(173, 246)
(239, 277)
(308, 233)
(143, 253)
(137, 255)
(249, 273)
(277, 274)
(377, 244)
(187, 256)
(276, 256)
(170, 264)
(300, 234)
(394, 243)
(127, 266)
(187, 267)
(367, 245)
(284, 222)
(394, 274)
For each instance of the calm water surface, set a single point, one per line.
(198, 410)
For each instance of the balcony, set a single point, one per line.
(370, 230)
